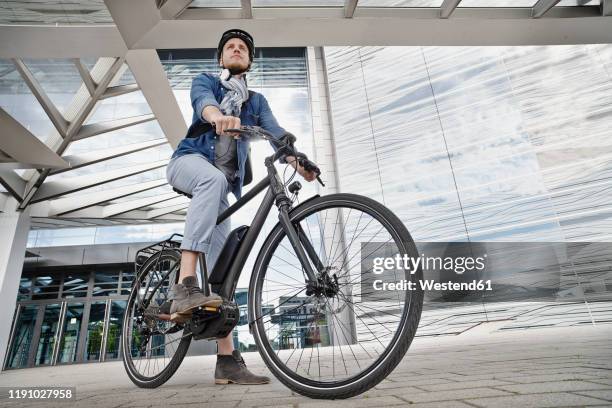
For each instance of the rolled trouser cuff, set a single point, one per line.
(192, 245)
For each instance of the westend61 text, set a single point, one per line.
(433, 285)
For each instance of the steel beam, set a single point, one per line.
(85, 76)
(263, 15)
(120, 208)
(59, 223)
(321, 27)
(94, 129)
(349, 8)
(58, 120)
(23, 147)
(61, 206)
(134, 18)
(158, 212)
(398, 30)
(171, 9)
(112, 91)
(56, 41)
(447, 8)
(11, 181)
(247, 8)
(113, 210)
(542, 6)
(85, 159)
(172, 217)
(52, 189)
(151, 77)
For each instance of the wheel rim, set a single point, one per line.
(321, 341)
(150, 343)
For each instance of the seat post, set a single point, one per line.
(203, 274)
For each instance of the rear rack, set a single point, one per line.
(145, 253)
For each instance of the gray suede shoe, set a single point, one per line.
(187, 296)
(232, 369)
(154, 313)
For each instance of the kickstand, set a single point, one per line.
(203, 274)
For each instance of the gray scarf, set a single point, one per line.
(237, 93)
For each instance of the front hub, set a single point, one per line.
(325, 285)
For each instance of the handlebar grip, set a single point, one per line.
(310, 166)
(288, 138)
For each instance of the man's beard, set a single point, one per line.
(237, 68)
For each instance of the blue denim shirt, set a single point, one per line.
(206, 90)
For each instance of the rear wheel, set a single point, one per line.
(154, 347)
(344, 338)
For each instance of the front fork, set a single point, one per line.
(301, 245)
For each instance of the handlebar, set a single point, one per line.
(285, 143)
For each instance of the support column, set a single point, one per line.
(14, 228)
(322, 129)
(342, 327)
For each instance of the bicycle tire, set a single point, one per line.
(138, 378)
(407, 325)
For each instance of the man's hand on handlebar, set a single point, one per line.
(308, 175)
(222, 122)
(306, 168)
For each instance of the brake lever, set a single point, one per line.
(241, 132)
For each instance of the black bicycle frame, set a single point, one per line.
(274, 194)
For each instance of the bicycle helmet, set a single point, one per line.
(236, 33)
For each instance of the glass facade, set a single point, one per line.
(48, 334)
(22, 337)
(95, 331)
(500, 143)
(115, 325)
(71, 331)
(490, 144)
(65, 317)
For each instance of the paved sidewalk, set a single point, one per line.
(483, 367)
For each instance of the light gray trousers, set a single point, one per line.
(195, 175)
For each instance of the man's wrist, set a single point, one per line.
(211, 113)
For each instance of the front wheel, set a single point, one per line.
(345, 337)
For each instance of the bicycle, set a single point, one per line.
(318, 327)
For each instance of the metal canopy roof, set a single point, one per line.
(122, 34)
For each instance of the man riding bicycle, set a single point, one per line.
(209, 164)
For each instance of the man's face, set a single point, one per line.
(235, 55)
